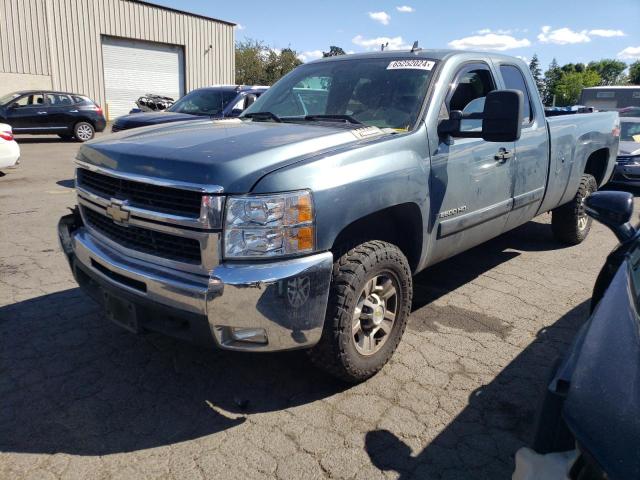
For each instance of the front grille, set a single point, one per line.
(164, 245)
(174, 201)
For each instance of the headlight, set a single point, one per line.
(269, 225)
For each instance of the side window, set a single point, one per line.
(472, 84)
(58, 100)
(33, 100)
(514, 80)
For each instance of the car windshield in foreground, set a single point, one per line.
(380, 92)
(7, 98)
(630, 131)
(204, 102)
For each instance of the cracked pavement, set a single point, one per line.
(82, 398)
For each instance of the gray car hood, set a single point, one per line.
(233, 154)
(629, 148)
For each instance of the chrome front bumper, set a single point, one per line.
(255, 307)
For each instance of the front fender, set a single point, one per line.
(358, 180)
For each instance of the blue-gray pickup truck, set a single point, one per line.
(300, 224)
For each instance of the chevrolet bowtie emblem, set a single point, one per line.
(117, 211)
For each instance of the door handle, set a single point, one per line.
(73, 111)
(503, 155)
(42, 113)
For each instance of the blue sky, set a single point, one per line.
(570, 30)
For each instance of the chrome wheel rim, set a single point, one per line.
(84, 132)
(375, 314)
(583, 218)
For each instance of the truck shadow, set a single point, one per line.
(498, 420)
(456, 271)
(72, 382)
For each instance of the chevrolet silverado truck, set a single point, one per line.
(300, 224)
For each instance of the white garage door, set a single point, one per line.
(133, 68)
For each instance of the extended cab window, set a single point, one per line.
(381, 92)
(514, 80)
(471, 85)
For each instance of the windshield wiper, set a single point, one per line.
(263, 116)
(334, 118)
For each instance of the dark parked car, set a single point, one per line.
(212, 102)
(589, 424)
(69, 115)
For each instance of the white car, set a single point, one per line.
(9, 149)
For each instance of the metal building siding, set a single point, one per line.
(23, 37)
(62, 38)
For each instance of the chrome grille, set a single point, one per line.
(164, 245)
(143, 195)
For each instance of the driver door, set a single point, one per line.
(27, 112)
(472, 182)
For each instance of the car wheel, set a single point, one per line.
(369, 304)
(84, 131)
(65, 137)
(570, 223)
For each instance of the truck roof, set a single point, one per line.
(427, 53)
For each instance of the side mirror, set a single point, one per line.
(236, 112)
(13, 106)
(501, 118)
(613, 209)
(250, 98)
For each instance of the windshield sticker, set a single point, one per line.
(411, 65)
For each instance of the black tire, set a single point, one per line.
(66, 137)
(566, 220)
(336, 353)
(83, 131)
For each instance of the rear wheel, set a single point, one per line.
(570, 223)
(369, 304)
(84, 131)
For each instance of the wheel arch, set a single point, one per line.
(400, 225)
(596, 164)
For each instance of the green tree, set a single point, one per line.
(258, 64)
(611, 71)
(333, 52)
(570, 85)
(536, 72)
(634, 73)
(551, 78)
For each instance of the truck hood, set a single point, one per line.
(135, 120)
(233, 154)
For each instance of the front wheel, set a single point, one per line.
(369, 304)
(83, 131)
(570, 223)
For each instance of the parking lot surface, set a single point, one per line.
(81, 398)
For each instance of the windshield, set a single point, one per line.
(7, 98)
(385, 93)
(204, 102)
(630, 131)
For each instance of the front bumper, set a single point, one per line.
(628, 174)
(258, 307)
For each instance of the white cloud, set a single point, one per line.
(630, 53)
(562, 36)
(310, 55)
(405, 9)
(382, 17)
(599, 32)
(489, 41)
(239, 26)
(523, 58)
(395, 43)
